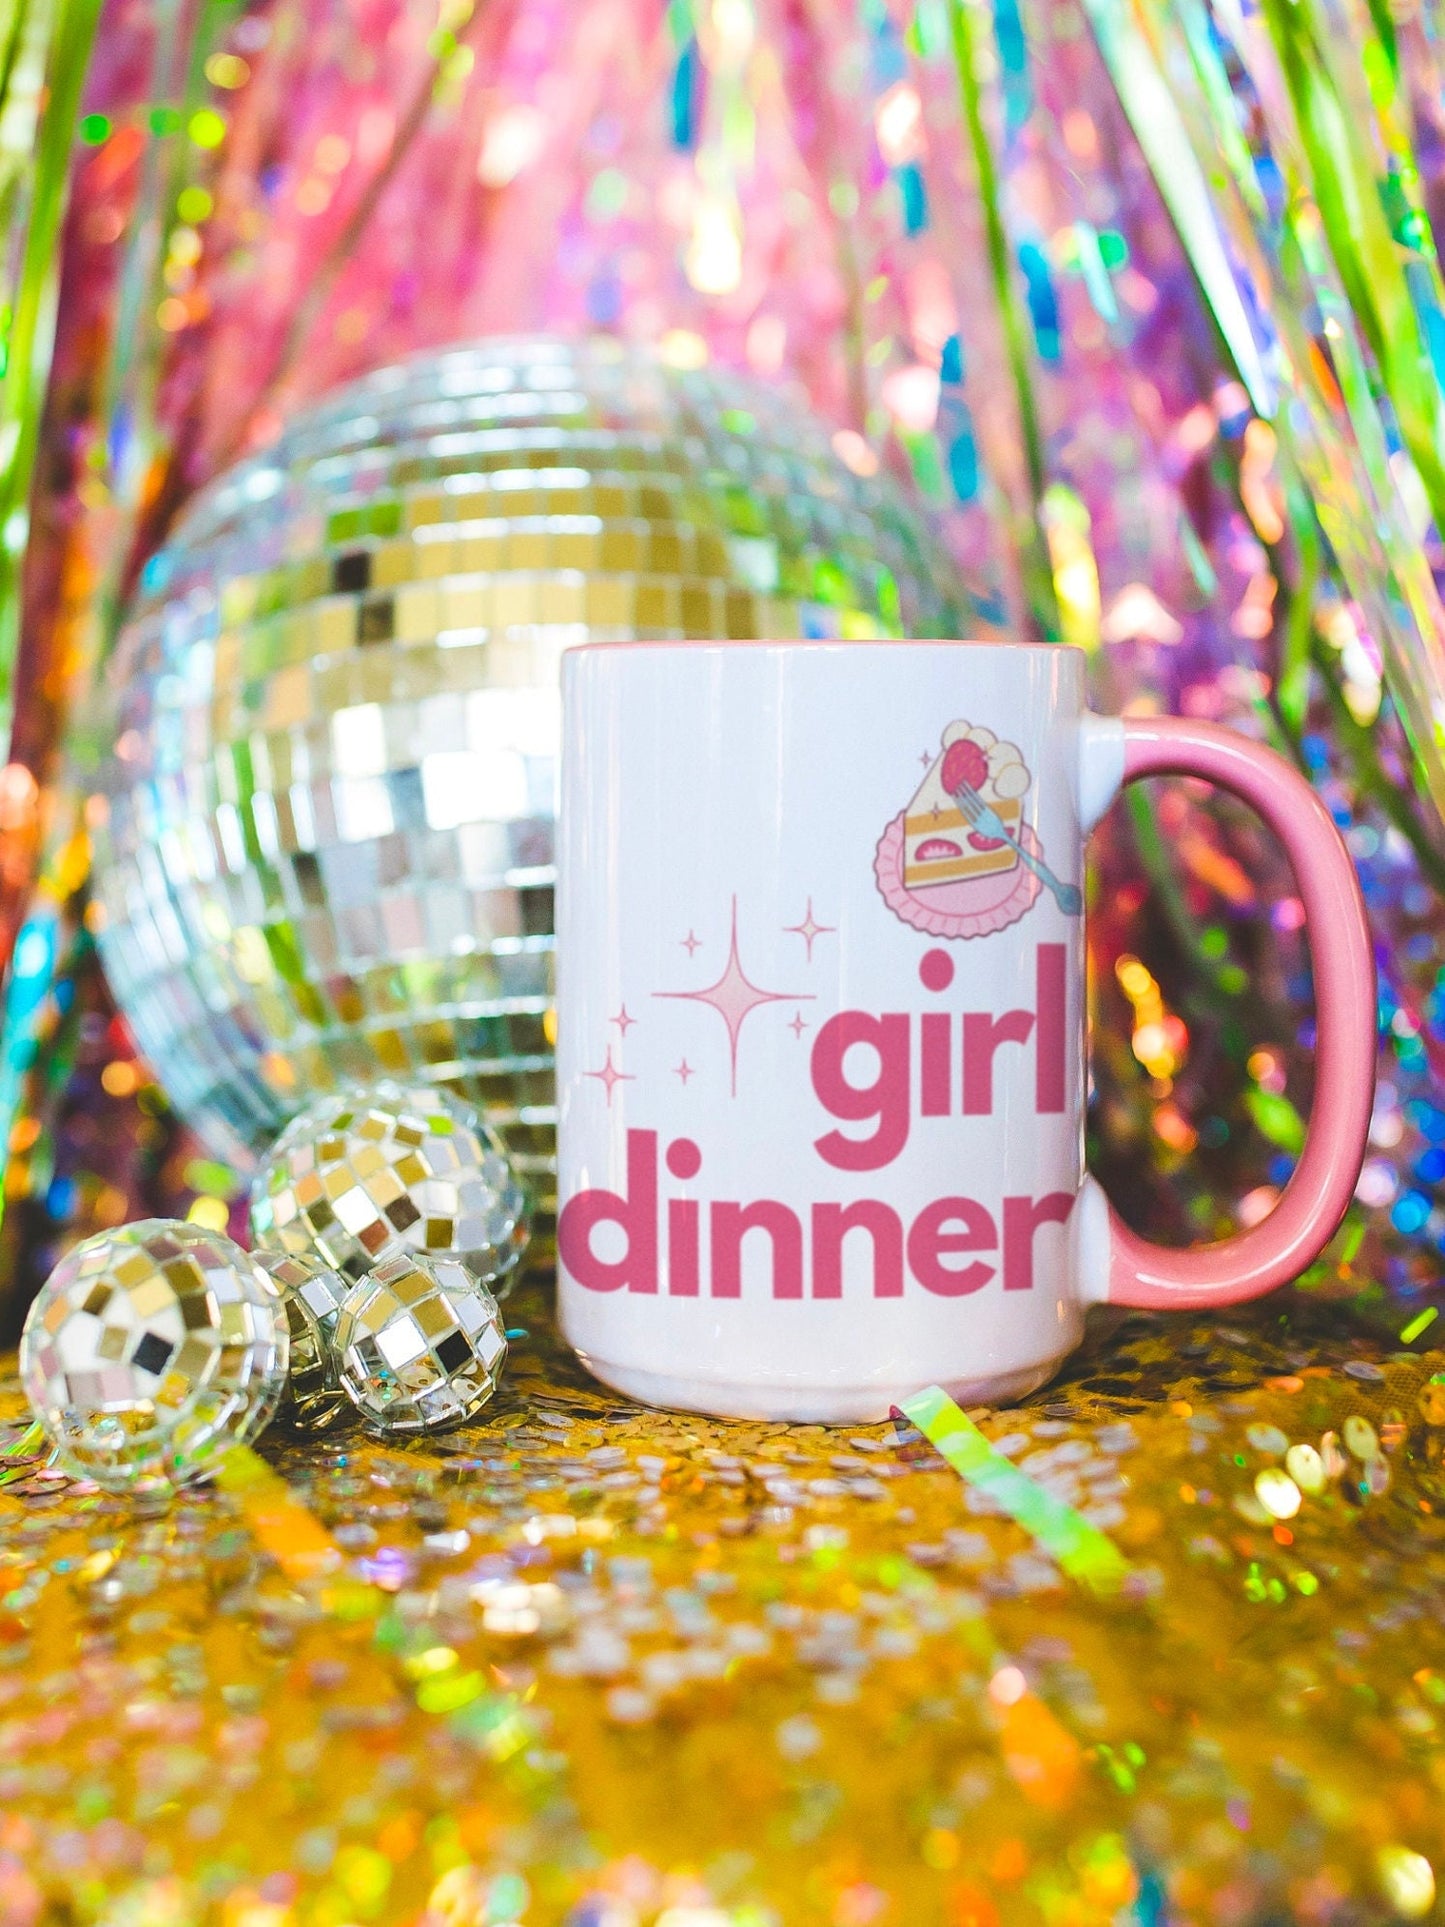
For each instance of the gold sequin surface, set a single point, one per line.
(578, 1662)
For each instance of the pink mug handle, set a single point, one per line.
(1314, 1201)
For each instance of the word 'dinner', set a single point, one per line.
(875, 1076)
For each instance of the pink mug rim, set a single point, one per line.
(824, 642)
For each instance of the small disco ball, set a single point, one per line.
(324, 838)
(152, 1349)
(419, 1345)
(313, 1294)
(360, 1174)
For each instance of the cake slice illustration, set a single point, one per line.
(939, 847)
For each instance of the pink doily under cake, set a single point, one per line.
(975, 907)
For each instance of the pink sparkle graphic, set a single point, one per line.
(690, 943)
(610, 1076)
(623, 1022)
(797, 1025)
(810, 928)
(926, 758)
(735, 996)
(684, 1071)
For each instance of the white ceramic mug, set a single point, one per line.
(821, 1021)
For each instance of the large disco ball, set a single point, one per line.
(326, 848)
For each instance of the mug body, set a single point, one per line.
(821, 1021)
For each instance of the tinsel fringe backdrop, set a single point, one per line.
(1159, 424)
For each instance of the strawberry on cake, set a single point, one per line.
(939, 846)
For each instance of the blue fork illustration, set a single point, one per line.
(983, 817)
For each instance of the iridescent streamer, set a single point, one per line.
(50, 939)
(135, 446)
(279, 1523)
(1084, 1552)
(1321, 117)
(42, 66)
(49, 948)
(1340, 402)
(27, 1444)
(1150, 104)
(1035, 565)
